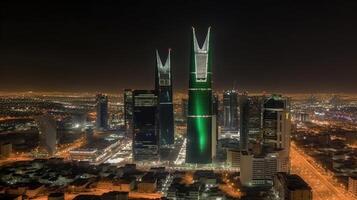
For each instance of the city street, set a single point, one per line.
(323, 187)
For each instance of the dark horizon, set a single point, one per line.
(274, 46)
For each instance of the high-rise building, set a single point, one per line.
(101, 106)
(277, 122)
(145, 126)
(128, 109)
(163, 87)
(265, 136)
(230, 110)
(250, 120)
(277, 129)
(47, 128)
(199, 119)
(215, 118)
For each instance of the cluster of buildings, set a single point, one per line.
(56, 178)
(262, 123)
(149, 115)
(252, 132)
(264, 139)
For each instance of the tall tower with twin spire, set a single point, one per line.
(199, 120)
(163, 87)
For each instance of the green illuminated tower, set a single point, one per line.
(199, 118)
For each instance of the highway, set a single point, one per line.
(324, 187)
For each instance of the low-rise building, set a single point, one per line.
(233, 158)
(148, 183)
(291, 187)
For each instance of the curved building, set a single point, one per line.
(199, 118)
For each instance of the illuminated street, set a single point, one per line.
(324, 188)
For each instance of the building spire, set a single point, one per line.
(160, 66)
(205, 46)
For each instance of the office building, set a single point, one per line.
(277, 129)
(101, 106)
(145, 126)
(233, 158)
(266, 121)
(128, 109)
(250, 120)
(277, 122)
(257, 170)
(230, 110)
(199, 119)
(265, 137)
(291, 187)
(163, 87)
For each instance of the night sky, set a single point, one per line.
(276, 46)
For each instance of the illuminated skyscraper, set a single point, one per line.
(128, 109)
(277, 128)
(163, 87)
(199, 119)
(145, 132)
(101, 105)
(250, 120)
(277, 122)
(230, 110)
(265, 138)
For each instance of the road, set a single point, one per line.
(324, 187)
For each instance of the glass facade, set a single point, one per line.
(145, 134)
(199, 119)
(163, 86)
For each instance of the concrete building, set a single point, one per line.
(291, 187)
(246, 171)
(258, 170)
(233, 158)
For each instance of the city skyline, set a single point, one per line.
(105, 100)
(295, 43)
